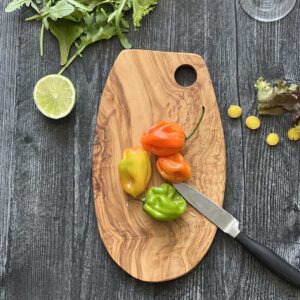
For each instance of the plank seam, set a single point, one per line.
(238, 94)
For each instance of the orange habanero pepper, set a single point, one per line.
(174, 168)
(166, 138)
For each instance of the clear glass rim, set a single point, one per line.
(253, 14)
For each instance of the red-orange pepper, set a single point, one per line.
(166, 138)
(174, 168)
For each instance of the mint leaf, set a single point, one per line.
(66, 32)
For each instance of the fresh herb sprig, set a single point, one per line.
(81, 23)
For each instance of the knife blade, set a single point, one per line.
(230, 225)
(215, 213)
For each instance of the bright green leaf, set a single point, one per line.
(16, 4)
(88, 21)
(92, 4)
(96, 28)
(76, 16)
(60, 10)
(118, 17)
(66, 33)
(141, 8)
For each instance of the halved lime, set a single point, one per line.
(54, 96)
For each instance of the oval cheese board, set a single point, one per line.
(141, 90)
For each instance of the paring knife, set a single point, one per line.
(230, 225)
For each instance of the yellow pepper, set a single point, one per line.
(135, 170)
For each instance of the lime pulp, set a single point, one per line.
(54, 96)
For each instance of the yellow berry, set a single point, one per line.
(294, 134)
(272, 139)
(234, 111)
(253, 122)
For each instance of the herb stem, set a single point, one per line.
(37, 17)
(76, 54)
(42, 39)
(197, 125)
(119, 14)
(76, 4)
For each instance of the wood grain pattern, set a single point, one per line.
(140, 91)
(7, 114)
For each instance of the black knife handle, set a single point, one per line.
(270, 259)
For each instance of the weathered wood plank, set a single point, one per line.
(271, 203)
(41, 223)
(9, 63)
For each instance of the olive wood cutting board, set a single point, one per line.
(141, 90)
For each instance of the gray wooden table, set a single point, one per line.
(49, 243)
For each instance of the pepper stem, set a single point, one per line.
(197, 125)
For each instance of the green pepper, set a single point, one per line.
(164, 203)
(135, 170)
